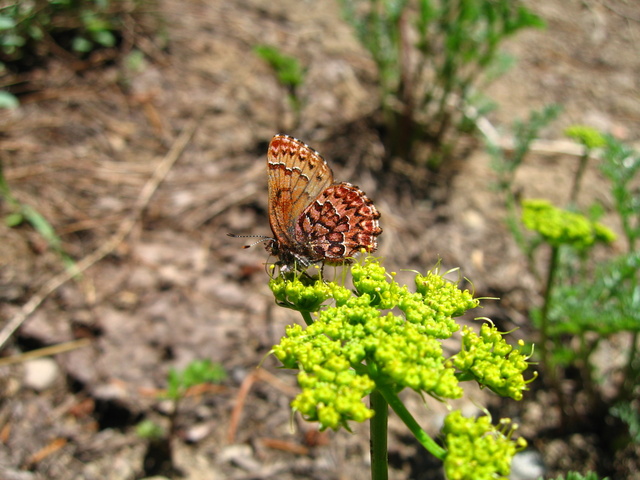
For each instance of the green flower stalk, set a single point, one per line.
(558, 227)
(380, 338)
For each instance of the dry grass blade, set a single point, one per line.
(45, 352)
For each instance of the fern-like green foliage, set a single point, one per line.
(430, 55)
(621, 166)
(24, 26)
(606, 302)
(195, 373)
(578, 476)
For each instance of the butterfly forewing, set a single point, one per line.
(297, 175)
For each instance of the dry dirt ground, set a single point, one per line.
(84, 147)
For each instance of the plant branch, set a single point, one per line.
(398, 407)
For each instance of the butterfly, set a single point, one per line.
(313, 218)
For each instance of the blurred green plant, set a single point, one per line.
(33, 31)
(8, 100)
(150, 430)
(20, 213)
(506, 163)
(621, 165)
(559, 229)
(31, 26)
(197, 372)
(358, 346)
(584, 302)
(578, 476)
(590, 139)
(289, 73)
(431, 56)
(160, 455)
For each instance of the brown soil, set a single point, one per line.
(174, 288)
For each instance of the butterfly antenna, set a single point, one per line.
(263, 238)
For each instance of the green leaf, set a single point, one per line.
(150, 430)
(81, 44)
(289, 71)
(8, 100)
(6, 22)
(104, 38)
(42, 226)
(12, 40)
(13, 220)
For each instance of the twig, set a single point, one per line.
(45, 352)
(619, 13)
(52, 447)
(243, 392)
(248, 381)
(553, 147)
(112, 243)
(541, 147)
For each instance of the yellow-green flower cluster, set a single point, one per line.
(371, 278)
(588, 136)
(476, 450)
(333, 397)
(561, 227)
(492, 361)
(435, 304)
(300, 293)
(359, 342)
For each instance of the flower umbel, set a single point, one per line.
(358, 344)
(490, 360)
(562, 227)
(476, 450)
(588, 136)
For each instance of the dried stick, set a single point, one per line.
(45, 352)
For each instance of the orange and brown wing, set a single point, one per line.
(297, 175)
(339, 223)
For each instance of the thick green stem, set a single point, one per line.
(378, 440)
(550, 368)
(544, 314)
(425, 440)
(629, 384)
(577, 180)
(306, 316)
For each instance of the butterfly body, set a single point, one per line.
(314, 219)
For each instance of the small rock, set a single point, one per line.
(198, 432)
(527, 466)
(240, 455)
(10, 474)
(40, 373)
